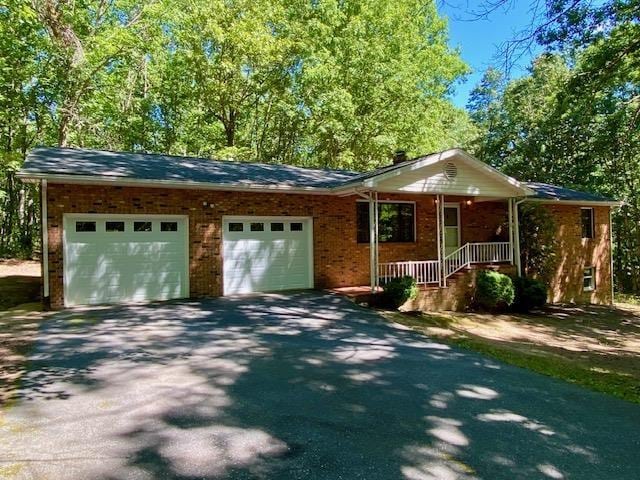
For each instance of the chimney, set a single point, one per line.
(399, 156)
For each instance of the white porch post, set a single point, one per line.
(441, 240)
(516, 237)
(438, 240)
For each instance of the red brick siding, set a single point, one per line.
(575, 253)
(338, 259)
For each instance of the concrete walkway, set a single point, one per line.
(303, 386)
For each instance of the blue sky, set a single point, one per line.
(478, 40)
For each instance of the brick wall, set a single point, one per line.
(338, 259)
(575, 253)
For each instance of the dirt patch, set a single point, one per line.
(20, 282)
(596, 346)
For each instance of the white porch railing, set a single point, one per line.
(424, 271)
(428, 271)
(470, 253)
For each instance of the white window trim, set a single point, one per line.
(415, 219)
(592, 285)
(593, 223)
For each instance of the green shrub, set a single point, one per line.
(494, 290)
(530, 294)
(399, 290)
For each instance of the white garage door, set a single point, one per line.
(267, 254)
(124, 258)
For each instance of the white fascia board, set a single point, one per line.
(595, 203)
(130, 182)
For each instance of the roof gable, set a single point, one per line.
(452, 172)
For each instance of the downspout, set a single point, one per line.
(44, 242)
(611, 252)
(372, 244)
(377, 253)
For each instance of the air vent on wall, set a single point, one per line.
(450, 171)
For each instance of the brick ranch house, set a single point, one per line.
(120, 227)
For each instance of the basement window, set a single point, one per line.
(589, 279)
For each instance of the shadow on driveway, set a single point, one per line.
(297, 386)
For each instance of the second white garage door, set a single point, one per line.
(266, 254)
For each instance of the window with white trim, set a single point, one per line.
(589, 279)
(586, 217)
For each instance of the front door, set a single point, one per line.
(451, 228)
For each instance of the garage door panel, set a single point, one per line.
(266, 260)
(111, 267)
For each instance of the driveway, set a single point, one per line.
(304, 386)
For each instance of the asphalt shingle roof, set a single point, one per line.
(144, 166)
(546, 191)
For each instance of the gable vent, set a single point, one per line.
(450, 170)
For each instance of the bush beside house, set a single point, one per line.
(530, 294)
(494, 291)
(398, 290)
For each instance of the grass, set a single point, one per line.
(594, 347)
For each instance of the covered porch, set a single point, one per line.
(433, 217)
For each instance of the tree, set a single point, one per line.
(329, 84)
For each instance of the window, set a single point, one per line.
(85, 226)
(586, 215)
(114, 226)
(277, 227)
(236, 227)
(141, 226)
(168, 226)
(589, 279)
(257, 227)
(296, 227)
(396, 222)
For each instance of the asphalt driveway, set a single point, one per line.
(303, 386)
